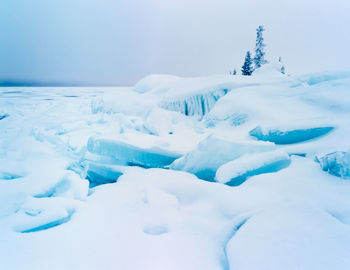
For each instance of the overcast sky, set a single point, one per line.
(120, 41)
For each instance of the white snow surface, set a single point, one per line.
(136, 216)
(247, 163)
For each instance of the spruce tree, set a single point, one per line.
(247, 68)
(234, 72)
(283, 69)
(259, 47)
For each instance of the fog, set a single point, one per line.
(116, 42)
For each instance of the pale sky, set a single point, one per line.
(120, 41)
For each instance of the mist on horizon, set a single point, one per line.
(109, 42)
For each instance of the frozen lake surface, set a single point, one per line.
(220, 172)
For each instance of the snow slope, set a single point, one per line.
(218, 172)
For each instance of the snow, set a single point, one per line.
(319, 77)
(155, 81)
(206, 159)
(112, 178)
(237, 170)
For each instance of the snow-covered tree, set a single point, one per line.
(247, 68)
(259, 59)
(234, 72)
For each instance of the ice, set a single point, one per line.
(337, 163)
(213, 152)
(100, 173)
(289, 136)
(238, 170)
(9, 176)
(195, 105)
(3, 116)
(42, 214)
(140, 155)
(70, 186)
(320, 77)
(197, 96)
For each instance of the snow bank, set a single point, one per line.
(238, 170)
(213, 152)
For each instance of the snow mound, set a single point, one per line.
(238, 170)
(213, 152)
(337, 163)
(155, 82)
(289, 136)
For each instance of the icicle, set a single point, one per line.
(195, 105)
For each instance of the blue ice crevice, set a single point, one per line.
(290, 136)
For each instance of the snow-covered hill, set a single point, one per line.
(219, 172)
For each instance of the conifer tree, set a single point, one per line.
(259, 59)
(234, 72)
(247, 68)
(283, 69)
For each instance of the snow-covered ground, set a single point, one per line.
(219, 172)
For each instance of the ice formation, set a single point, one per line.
(199, 104)
(238, 170)
(337, 163)
(131, 154)
(100, 173)
(3, 116)
(289, 136)
(69, 184)
(213, 152)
